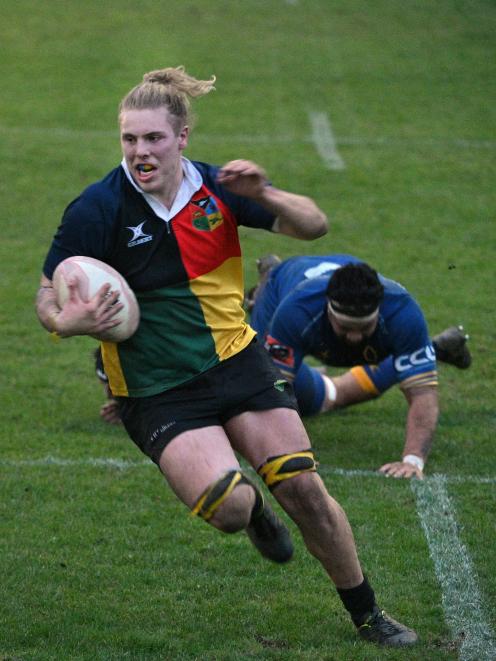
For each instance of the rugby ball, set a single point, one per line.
(91, 274)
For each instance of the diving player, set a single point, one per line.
(340, 311)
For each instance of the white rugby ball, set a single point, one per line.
(90, 275)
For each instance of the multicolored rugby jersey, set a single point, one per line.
(186, 272)
(290, 314)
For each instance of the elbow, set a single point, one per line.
(306, 228)
(323, 226)
(319, 227)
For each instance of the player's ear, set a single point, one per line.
(183, 137)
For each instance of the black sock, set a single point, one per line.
(358, 601)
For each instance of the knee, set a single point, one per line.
(228, 503)
(235, 512)
(305, 491)
(307, 501)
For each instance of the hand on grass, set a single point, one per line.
(401, 469)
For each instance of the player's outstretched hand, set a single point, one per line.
(401, 469)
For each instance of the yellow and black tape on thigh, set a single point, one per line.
(285, 466)
(216, 494)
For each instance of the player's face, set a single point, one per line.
(352, 332)
(152, 149)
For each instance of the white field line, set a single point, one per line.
(462, 601)
(125, 464)
(104, 462)
(347, 472)
(269, 139)
(324, 141)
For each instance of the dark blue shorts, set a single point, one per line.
(249, 381)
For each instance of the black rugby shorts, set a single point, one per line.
(249, 381)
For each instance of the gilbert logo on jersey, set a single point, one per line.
(207, 217)
(139, 235)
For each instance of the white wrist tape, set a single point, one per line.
(331, 391)
(330, 394)
(414, 460)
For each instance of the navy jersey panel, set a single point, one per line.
(88, 223)
(98, 224)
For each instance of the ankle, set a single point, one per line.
(358, 601)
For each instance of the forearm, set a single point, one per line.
(297, 216)
(46, 305)
(421, 423)
(420, 426)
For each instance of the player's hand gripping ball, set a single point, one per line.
(90, 275)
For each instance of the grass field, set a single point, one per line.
(97, 558)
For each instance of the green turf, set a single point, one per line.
(102, 563)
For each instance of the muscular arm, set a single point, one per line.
(421, 423)
(297, 216)
(46, 305)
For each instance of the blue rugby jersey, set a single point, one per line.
(290, 314)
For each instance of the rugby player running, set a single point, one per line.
(194, 387)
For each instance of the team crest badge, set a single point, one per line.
(208, 216)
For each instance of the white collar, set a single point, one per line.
(191, 182)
